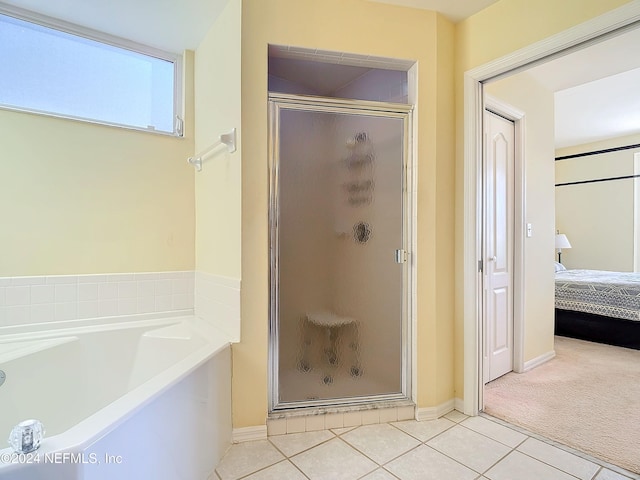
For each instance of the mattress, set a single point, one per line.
(610, 294)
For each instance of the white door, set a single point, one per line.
(498, 245)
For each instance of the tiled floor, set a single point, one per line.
(454, 447)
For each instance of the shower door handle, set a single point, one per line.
(401, 256)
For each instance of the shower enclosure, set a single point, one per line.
(339, 216)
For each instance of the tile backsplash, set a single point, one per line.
(218, 302)
(38, 299)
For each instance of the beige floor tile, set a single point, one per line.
(245, 458)
(298, 442)
(452, 451)
(522, 467)
(424, 463)
(279, 471)
(425, 430)
(469, 448)
(494, 430)
(381, 443)
(379, 474)
(609, 475)
(341, 431)
(456, 416)
(333, 460)
(565, 461)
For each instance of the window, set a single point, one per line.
(47, 70)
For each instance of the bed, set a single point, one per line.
(599, 306)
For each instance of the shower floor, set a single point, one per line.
(296, 385)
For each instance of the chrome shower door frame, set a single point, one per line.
(278, 102)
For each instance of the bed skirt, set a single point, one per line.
(598, 328)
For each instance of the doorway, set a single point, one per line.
(339, 329)
(474, 80)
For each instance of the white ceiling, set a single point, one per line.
(597, 94)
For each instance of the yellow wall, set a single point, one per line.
(217, 111)
(443, 280)
(494, 32)
(588, 213)
(527, 95)
(509, 25)
(81, 198)
(353, 26)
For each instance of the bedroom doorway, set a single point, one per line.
(475, 80)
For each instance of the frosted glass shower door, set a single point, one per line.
(338, 245)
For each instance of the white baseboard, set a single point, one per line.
(248, 434)
(459, 404)
(432, 413)
(536, 362)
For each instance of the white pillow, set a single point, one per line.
(559, 267)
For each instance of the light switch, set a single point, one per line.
(529, 230)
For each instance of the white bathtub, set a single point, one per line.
(128, 398)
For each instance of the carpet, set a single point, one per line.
(587, 397)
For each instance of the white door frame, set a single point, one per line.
(518, 118)
(579, 36)
(636, 213)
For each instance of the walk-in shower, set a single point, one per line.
(339, 240)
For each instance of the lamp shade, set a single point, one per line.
(562, 241)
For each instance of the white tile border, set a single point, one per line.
(49, 298)
(217, 300)
(315, 421)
